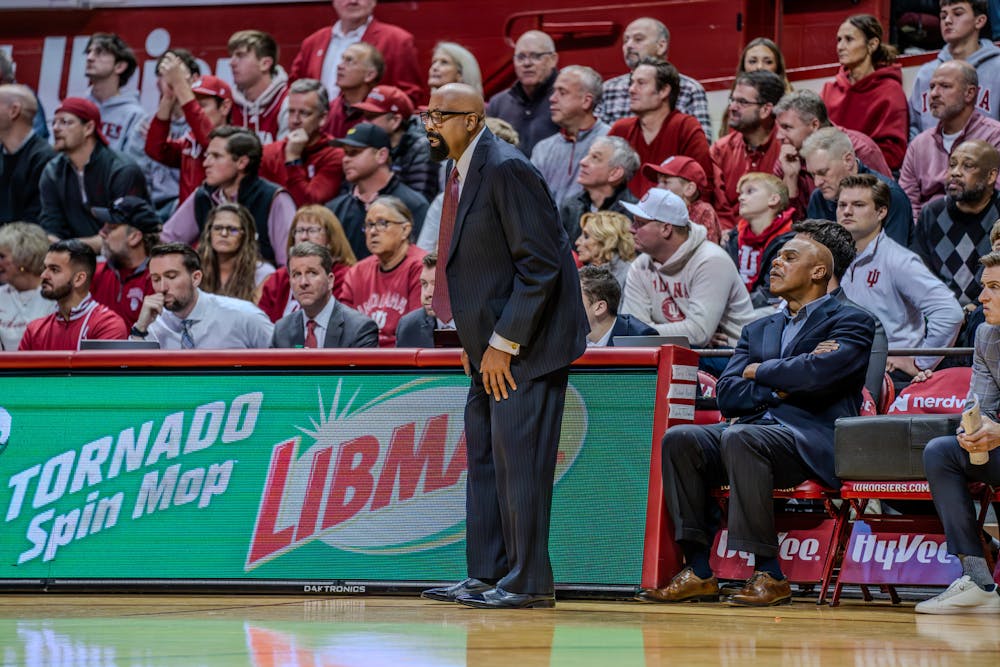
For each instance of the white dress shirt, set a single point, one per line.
(322, 323)
(339, 41)
(217, 323)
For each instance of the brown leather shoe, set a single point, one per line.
(686, 586)
(762, 590)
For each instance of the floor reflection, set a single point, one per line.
(109, 631)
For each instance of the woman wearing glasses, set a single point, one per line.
(319, 225)
(386, 285)
(230, 258)
(867, 94)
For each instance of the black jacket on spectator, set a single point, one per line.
(20, 173)
(351, 212)
(411, 161)
(574, 206)
(106, 177)
(528, 114)
(256, 194)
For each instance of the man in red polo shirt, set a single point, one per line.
(131, 229)
(321, 51)
(69, 268)
(752, 147)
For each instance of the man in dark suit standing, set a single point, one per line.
(505, 274)
(601, 296)
(792, 375)
(416, 328)
(323, 321)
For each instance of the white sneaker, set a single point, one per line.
(963, 596)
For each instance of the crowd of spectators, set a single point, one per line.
(334, 153)
(302, 208)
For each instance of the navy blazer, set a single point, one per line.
(416, 329)
(510, 268)
(821, 387)
(626, 325)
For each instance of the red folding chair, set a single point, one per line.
(824, 529)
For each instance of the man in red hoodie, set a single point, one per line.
(765, 224)
(206, 103)
(305, 163)
(321, 51)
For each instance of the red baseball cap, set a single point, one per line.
(383, 99)
(212, 86)
(680, 166)
(86, 111)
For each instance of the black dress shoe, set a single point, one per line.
(498, 598)
(451, 593)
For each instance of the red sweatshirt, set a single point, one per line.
(315, 181)
(876, 105)
(184, 153)
(680, 134)
(731, 159)
(88, 320)
(122, 294)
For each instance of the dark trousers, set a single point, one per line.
(949, 472)
(753, 459)
(512, 446)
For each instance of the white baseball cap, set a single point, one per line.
(662, 206)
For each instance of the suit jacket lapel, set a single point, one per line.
(298, 324)
(771, 346)
(335, 327)
(471, 186)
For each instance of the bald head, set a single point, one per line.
(14, 94)
(984, 154)
(644, 38)
(455, 115)
(801, 271)
(458, 97)
(960, 69)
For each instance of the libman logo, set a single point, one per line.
(387, 477)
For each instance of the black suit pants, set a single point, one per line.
(512, 446)
(753, 459)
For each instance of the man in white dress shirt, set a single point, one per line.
(179, 316)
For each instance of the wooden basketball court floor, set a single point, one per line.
(197, 630)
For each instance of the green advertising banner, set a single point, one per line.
(351, 476)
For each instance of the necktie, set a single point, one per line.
(311, 334)
(441, 302)
(187, 341)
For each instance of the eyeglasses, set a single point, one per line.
(308, 231)
(534, 58)
(740, 102)
(439, 116)
(381, 224)
(225, 230)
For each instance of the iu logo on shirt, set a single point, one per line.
(873, 277)
(670, 310)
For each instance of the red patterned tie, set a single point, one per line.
(311, 334)
(441, 302)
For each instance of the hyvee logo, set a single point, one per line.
(385, 478)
